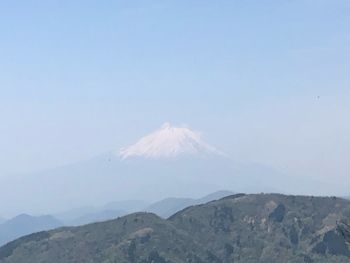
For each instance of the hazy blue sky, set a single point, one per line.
(265, 81)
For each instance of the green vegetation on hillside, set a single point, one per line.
(240, 228)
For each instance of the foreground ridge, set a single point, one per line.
(237, 228)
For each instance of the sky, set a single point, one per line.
(265, 81)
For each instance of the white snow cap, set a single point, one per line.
(167, 142)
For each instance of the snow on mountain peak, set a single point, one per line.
(169, 141)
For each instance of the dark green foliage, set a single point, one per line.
(333, 243)
(293, 234)
(320, 248)
(307, 259)
(228, 249)
(8, 249)
(241, 228)
(344, 229)
(336, 244)
(131, 251)
(212, 258)
(155, 258)
(278, 214)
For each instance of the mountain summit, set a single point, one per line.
(173, 160)
(168, 142)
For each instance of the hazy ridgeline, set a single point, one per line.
(237, 228)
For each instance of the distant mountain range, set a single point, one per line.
(170, 206)
(240, 228)
(163, 208)
(90, 214)
(172, 161)
(25, 224)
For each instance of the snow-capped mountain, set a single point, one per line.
(169, 142)
(172, 161)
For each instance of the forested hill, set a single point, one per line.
(239, 228)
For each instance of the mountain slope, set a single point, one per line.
(239, 228)
(163, 208)
(267, 228)
(169, 157)
(169, 142)
(89, 214)
(24, 224)
(99, 216)
(170, 206)
(124, 240)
